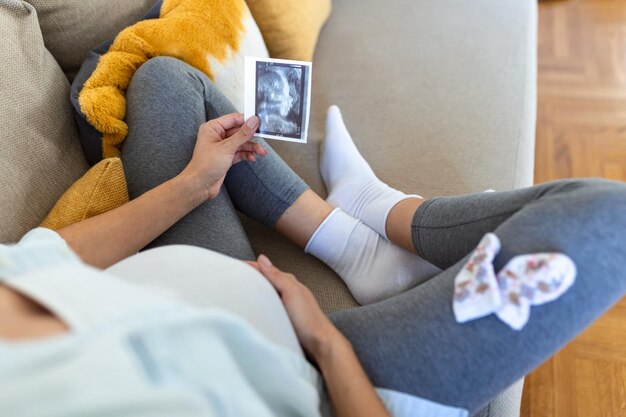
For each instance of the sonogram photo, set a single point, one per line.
(280, 98)
(278, 91)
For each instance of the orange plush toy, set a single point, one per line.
(211, 35)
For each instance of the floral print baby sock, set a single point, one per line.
(526, 280)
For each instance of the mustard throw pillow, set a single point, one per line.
(101, 189)
(290, 28)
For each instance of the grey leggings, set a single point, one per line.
(411, 342)
(167, 101)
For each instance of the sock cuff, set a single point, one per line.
(320, 227)
(400, 197)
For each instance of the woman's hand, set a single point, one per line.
(315, 331)
(351, 392)
(108, 238)
(221, 143)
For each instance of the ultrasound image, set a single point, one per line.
(280, 98)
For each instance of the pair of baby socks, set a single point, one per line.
(525, 281)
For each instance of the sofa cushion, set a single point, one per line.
(438, 95)
(290, 27)
(507, 404)
(40, 156)
(101, 189)
(72, 27)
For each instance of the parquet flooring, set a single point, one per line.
(581, 132)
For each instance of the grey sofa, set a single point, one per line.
(438, 94)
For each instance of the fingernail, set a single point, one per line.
(264, 260)
(252, 122)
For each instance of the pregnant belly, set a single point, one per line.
(208, 279)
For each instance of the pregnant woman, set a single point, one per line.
(89, 327)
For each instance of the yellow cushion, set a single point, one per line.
(290, 27)
(101, 189)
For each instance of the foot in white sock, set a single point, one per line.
(373, 268)
(351, 183)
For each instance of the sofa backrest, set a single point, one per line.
(40, 154)
(71, 28)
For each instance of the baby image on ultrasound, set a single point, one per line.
(281, 99)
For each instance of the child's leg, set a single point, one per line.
(412, 343)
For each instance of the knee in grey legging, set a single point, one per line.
(411, 342)
(167, 101)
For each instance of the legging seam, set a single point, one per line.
(284, 202)
(471, 221)
(276, 212)
(419, 214)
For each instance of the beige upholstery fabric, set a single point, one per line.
(39, 152)
(507, 404)
(71, 28)
(438, 95)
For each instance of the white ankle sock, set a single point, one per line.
(373, 268)
(351, 183)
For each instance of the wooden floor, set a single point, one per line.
(581, 131)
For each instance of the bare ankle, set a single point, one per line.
(399, 222)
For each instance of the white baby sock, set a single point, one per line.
(351, 183)
(532, 279)
(373, 268)
(476, 286)
(525, 281)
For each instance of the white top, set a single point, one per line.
(177, 330)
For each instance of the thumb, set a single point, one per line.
(245, 133)
(273, 274)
